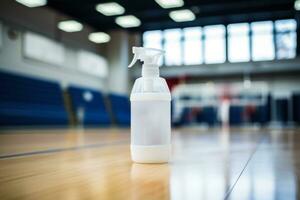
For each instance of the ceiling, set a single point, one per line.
(153, 16)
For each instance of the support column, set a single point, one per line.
(117, 55)
(297, 17)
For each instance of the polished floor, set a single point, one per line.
(95, 164)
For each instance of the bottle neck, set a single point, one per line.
(150, 70)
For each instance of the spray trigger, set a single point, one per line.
(146, 55)
(135, 58)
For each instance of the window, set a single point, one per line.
(92, 63)
(262, 41)
(192, 46)
(256, 41)
(153, 39)
(285, 38)
(214, 44)
(172, 47)
(43, 49)
(238, 42)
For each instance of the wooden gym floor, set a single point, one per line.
(95, 164)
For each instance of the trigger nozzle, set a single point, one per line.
(133, 61)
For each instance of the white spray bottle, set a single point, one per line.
(150, 110)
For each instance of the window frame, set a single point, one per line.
(223, 36)
(277, 33)
(180, 41)
(201, 47)
(271, 31)
(247, 34)
(274, 33)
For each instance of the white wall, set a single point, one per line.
(284, 85)
(13, 60)
(281, 85)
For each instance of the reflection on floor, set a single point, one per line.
(216, 163)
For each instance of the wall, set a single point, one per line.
(43, 21)
(12, 60)
(281, 85)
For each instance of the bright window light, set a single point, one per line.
(297, 5)
(99, 37)
(286, 38)
(170, 3)
(238, 42)
(172, 46)
(192, 46)
(153, 39)
(92, 63)
(110, 9)
(70, 26)
(214, 44)
(182, 15)
(128, 21)
(32, 3)
(285, 25)
(262, 41)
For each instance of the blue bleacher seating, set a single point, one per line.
(29, 101)
(296, 107)
(120, 107)
(91, 103)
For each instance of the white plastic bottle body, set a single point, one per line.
(150, 130)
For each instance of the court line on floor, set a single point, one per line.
(57, 150)
(244, 168)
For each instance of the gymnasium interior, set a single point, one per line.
(233, 70)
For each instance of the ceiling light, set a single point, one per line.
(99, 37)
(128, 21)
(182, 15)
(297, 5)
(170, 3)
(70, 26)
(110, 9)
(32, 3)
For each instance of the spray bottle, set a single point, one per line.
(150, 110)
